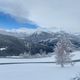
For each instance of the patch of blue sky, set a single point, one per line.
(10, 22)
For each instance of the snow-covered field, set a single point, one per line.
(9, 60)
(46, 59)
(37, 71)
(76, 55)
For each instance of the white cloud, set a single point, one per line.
(14, 7)
(30, 31)
(22, 30)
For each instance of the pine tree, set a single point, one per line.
(63, 51)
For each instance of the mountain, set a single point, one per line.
(72, 37)
(38, 36)
(50, 36)
(37, 42)
(46, 41)
(10, 45)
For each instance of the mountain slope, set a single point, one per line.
(38, 42)
(13, 45)
(46, 41)
(38, 36)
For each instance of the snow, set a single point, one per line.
(1, 49)
(37, 72)
(49, 71)
(76, 55)
(46, 59)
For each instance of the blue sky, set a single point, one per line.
(50, 14)
(8, 21)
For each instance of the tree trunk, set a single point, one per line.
(62, 65)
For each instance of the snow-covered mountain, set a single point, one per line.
(37, 41)
(39, 36)
(10, 45)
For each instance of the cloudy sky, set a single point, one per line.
(50, 14)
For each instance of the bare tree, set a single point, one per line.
(63, 51)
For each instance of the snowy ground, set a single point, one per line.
(46, 59)
(76, 55)
(37, 71)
